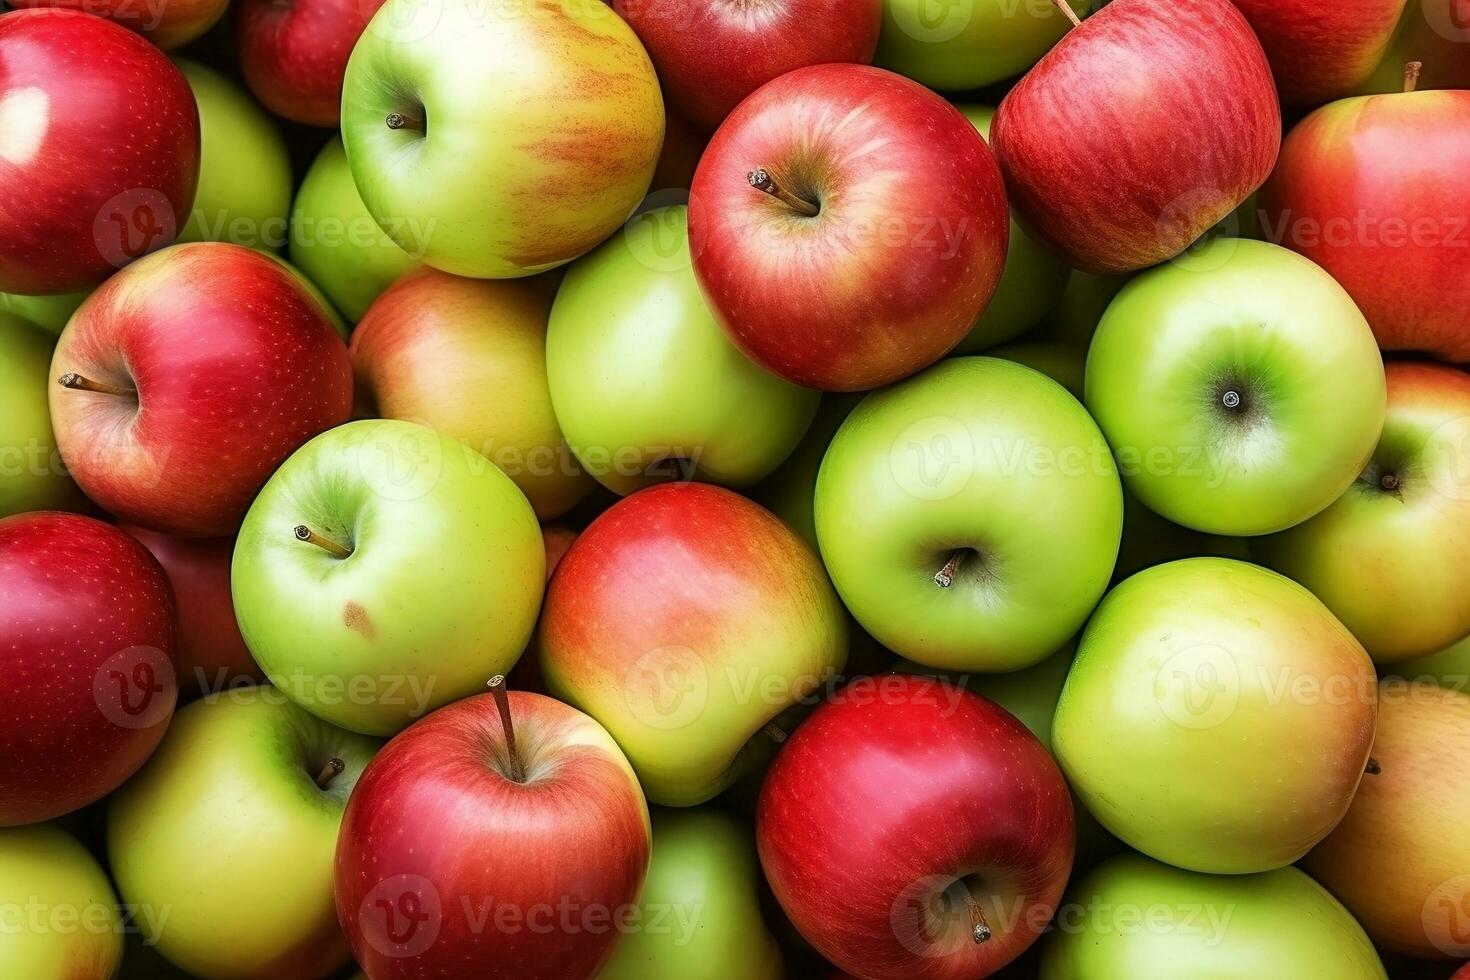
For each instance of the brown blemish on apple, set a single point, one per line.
(355, 618)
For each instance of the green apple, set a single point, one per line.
(232, 826)
(244, 170)
(646, 385)
(336, 242)
(790, 492)
(50, 313)
(385, 570)
(970, 515)
(1063, 363)
(1239, 387)
(59, 918)
(1217, 717)
(1137, 919)
(1150, 540)
(964, 44)
(1083, 302)
(32, 475)
(1449, 667)
(699, 914)
(498, 142)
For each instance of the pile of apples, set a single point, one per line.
(733, 489)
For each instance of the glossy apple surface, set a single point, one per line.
(45, 873)
(1321, 52)
(902, 254)
(167, 23)
(968, 43)
(32, 476)
(295, 53)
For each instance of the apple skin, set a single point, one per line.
(1376, 190)
(44, 872)
(98, 175)
(87, 626)
(1083, 302)
(50, 313)
(1258, 321)
(975, 455)
(1121, 177)
(236, 364)
(419, 904)
(168, 24)
(294, 54)
(1322, 52)
(665, 612)
(32, 476)
(869, 818)
(232, 796)
(547, 126)
(644, 381)
(467, 357)
(1139, 919)
(904, 254)
(1217, 717)
(711, 54)
(1449, 667)
(971, 42)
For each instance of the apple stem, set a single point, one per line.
(979, 925)
(397, 120)
(77, 382)
(1373, 768)
(304, 533)
(774, 732)
(329, 772)
(1411, 75)
(944, 578)
(760, 178)
(1066, 8)
(502, 701)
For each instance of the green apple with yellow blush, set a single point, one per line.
(965, 44)
(47, 877)
(50, 313)
(32, 475)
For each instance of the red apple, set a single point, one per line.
(1463, 973)
(99, 150)
(1139, 131)
(914, 830)
(294, 53)
(460, 856)
(711, 54)
(1376, 190)
(187, 378)
(1322, 51)
(879, 237)
(167, 23)
(86, 662)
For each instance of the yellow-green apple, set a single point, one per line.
(1391, 556)
(964, 44)
(1449, 667)
(186, 379)
(87, 644)
(990, 511)
(541, 874)
(547, 121)
(646, 385)
(1217, 717)
(294, 53)
(1083, 302)
(49, 312)
(1376, 190)
(1322, 52)
(249, 789)
(1400, 860)
(1149, 539)
(63, 921)
(790, 491)
(1121, 147)
(1240, 389)
(467, 357)
(167, 23)
(1139, 919)
(711, 54)
(870, 833)
(32, 476)
(96, 174)
(848, 226)
(1063, 363)
(685, 619)
(699, 914)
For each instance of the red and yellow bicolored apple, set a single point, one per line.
(65, 921)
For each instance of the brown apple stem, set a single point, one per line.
(304, 533)
(397, 120)
(944, 578)
(979, 925)
(329, 772)
(1389, 482)
(1066, 8)
(1373, 768)
(1411, 75)
(502, 701)
(774, 732)
(78, 383)
(760, 178)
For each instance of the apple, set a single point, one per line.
(1399, 860)
(1463, 973)
(1083, 302)
(547, 124)
(386, 570)
(467, 357)
(248, 789)
(87, 630)
(541, 874)
(1434, 33)
(700, 911)
(1449, 667)
(62, 917)
(32, 476)
(965, 44)
(235, 365)
(1139, 919)
(1240, 389)
(990, 513)
(686, 619)
(167, 23)
(1149, 540)
(1122, 146)
(1322, 52)
(646, 385)
(711, 54)
(834, 253)
(870, 833)
(1217, 717)
(50, 313)
(790, 491)
(1376, 190)
(294, 53)
(99, 148)
(1063, 363)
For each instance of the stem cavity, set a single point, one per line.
(760, 178)
(502, 701)
(304, 533)
(77, 382)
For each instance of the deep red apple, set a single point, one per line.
(187, 378)
(915, 831)
(294, 53)
(1463, 973)
(167, 23)
(1376, 190)
(99, 150)
(87, 681)
(711, 54)
(463, 856)
(1140, 130)
(1322, 51)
